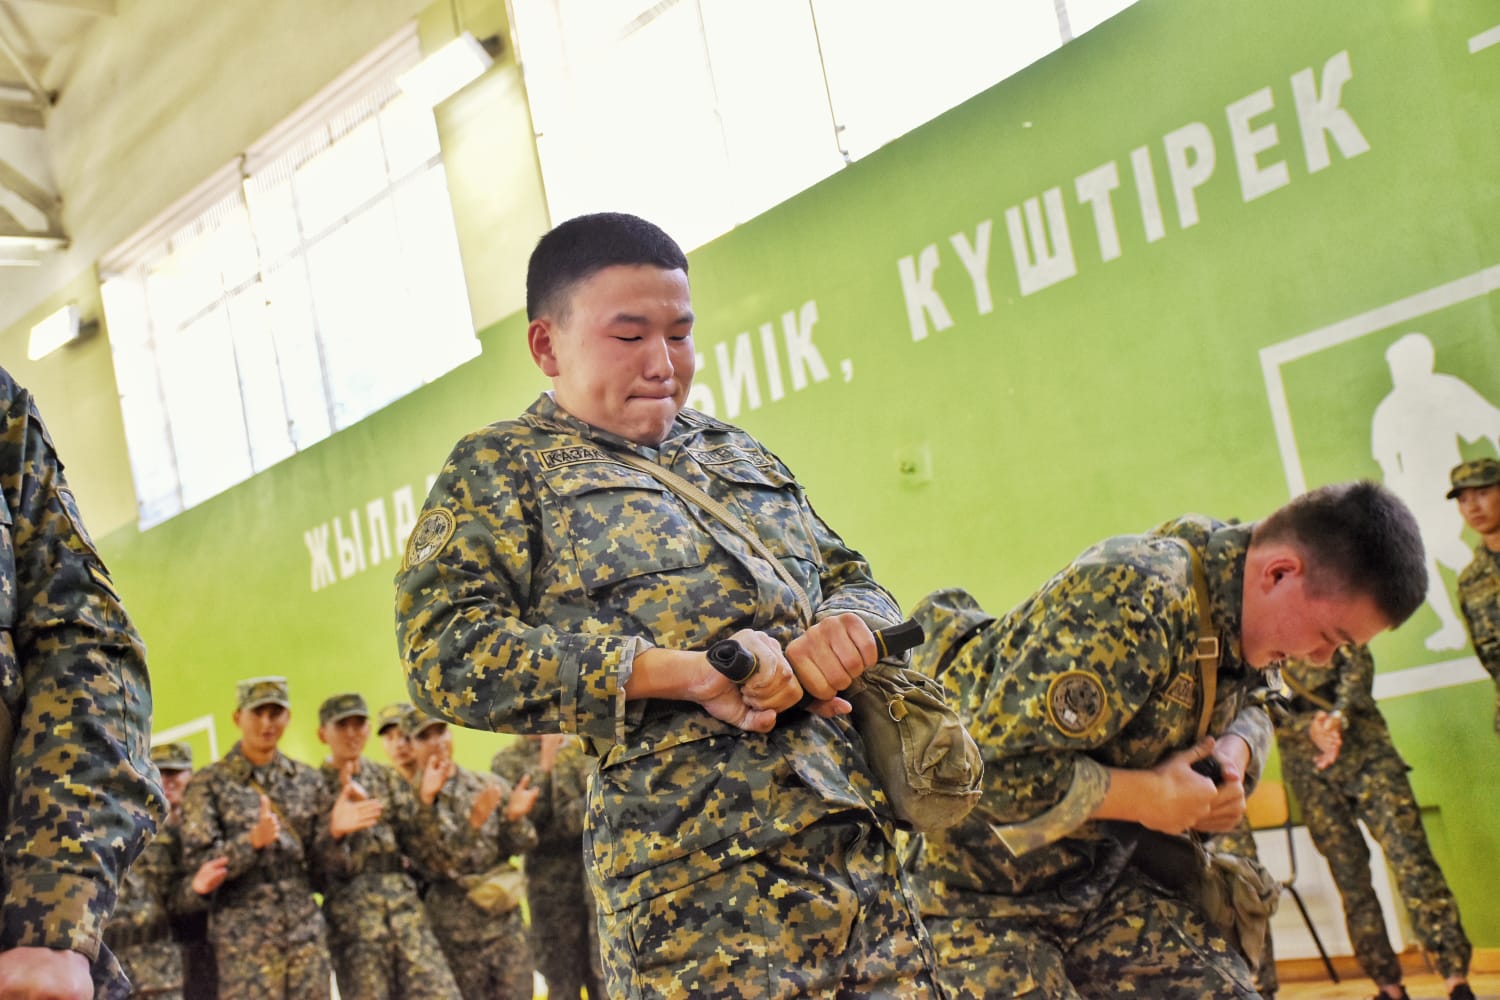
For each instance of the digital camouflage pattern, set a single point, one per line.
(1479, 597)
(379, 937)
(265, 927)
(488, 953)
(547, 565)
(1367, 782)
(564, 929)
(155, 890)
(1095, 670)
(1241, 841)
(79, 799)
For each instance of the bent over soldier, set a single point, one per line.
(79, 799)
(1338, 758)
(259, 810)
(1086, 700)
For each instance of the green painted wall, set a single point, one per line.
(966, 421)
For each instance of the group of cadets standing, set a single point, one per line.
(222, 902)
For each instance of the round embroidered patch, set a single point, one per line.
(429, 536)
(1075, 702)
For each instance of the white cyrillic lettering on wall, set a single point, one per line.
(1093, 190)
(772, 359)
(1190, 163)
(737, 377)
(380, 535)
(700, 396)
(1319, 115)
(1249, 142)
(802, 355)
(351, 559)
(316, 541)
(1145, 188)
(976, 260)
(922, 300)
(405, 506)
(1048, 256)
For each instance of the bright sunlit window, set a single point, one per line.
(700, 114)
(310, 284)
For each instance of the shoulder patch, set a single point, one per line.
(1076, 703)
(1183, 691)
(428, 537)
(554, 458)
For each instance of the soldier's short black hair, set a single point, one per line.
(1358, 538)
(583, 246)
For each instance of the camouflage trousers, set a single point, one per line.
(1241, 841)
(1136, 935)
(489, 954)
(1375, 789)
(155, 969)
(564, 931)
(382, 945)
(264, 954)
(827, 914)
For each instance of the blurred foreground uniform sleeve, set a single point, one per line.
(81, 798)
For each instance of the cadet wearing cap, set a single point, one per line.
(187, 911)
(1476, 487)
(378, 932)
(259, 810)
(468, 839)
(397, 746)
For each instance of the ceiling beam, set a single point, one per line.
(17, 113)
(100, 8)
(32, 83)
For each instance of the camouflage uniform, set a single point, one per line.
(1367, 782)
(563, 926)
(538, 571)
(1241, 841)
(378, 932)
(266, 929)
(488, 952)
(140, 933)
(79, 798)
(1028, 897)
(1479, 597)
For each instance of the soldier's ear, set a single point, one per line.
(540, 336)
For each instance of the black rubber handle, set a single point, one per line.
(738, 663)
(1209, 768)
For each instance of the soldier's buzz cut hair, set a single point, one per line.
(1356, 538)
(583, 246)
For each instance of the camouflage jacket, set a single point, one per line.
(1095, 670)
(558, 812)
(219, 809)
(79, 797)
(541, 566)
(379, 851)
(1479, 596)
(451, 848)
(1346, 685)
(156, 887)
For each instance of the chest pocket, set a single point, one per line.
(623, 524)
(770, 502)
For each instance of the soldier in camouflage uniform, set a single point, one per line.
(260, 810)
(1338, 759)
(467, 834)
(382, 945)
(563, 925)
(1476, 487)
(393, 739)
(155, 891)
(1086, 700)
(79, 799)
(550, 585)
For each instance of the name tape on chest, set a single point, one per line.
(556, 458)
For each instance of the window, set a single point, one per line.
(700, 114)
(306, 286)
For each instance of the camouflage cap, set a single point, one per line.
(390, 715)
(257, 691)
(1480, 472)
(172, 757)
(414, 720)
(342, 706)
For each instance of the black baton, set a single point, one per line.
(737, 663)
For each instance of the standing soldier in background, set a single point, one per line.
(79, 799)
(393, 739)
(259, 810)
(189, 917)
(1338, 758)
(564, 931)
(1476, 487)
(156, 893)
(473, 897)
(378, 935)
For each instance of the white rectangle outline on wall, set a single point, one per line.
(1446, 673)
